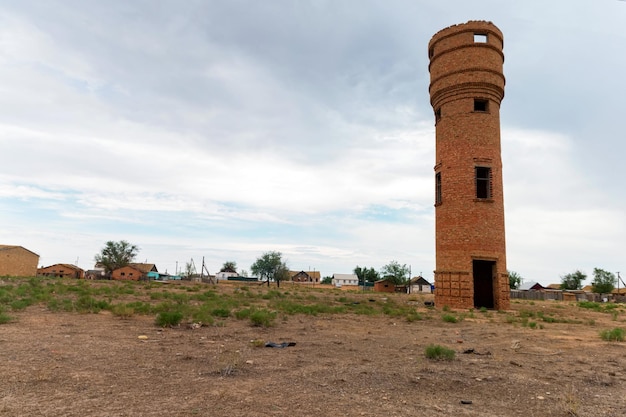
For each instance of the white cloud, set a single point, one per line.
(202, 128)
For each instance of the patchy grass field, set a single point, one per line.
(102, 348)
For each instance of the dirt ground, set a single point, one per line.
(69, 364)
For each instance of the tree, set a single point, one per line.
(327, 280)
(573, 281)
(603, 281)
(366, 274)
(115, 255)
(515, 280)
(243, 273)
(270, 266)
(190, 269)
(396, 273)
(229, 266)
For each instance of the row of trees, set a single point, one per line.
(603, 281)
(395, 272)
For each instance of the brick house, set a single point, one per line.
(305, 276)
(61, 271)
(18, 261)
(133, 272)
(384, 285)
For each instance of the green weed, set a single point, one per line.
(169, 318)
(613, 335)
(449, 318)
(438, 352)
(262, 318)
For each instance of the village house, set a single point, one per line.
(61, 271)
(18, 261)
(133, 272)
(419, 284)
(342, 280)
(530, 286)
(305, 276)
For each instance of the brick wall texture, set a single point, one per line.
(17, 261)
(466, 63)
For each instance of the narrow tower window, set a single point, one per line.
(438, 188)
(438, 114)
(480, 38)
(483, 182)
(481, 105)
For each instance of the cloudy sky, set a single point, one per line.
(224, 129)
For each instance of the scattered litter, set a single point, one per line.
(142, 337)
(466, 401)
(519, 365)
(280, 345)
(475, 352)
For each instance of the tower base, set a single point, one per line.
(472, 289)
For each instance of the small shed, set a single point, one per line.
(384, 285)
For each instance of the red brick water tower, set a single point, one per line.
(466, 89)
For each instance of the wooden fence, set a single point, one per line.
(566, 296)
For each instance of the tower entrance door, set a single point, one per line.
(483, 272)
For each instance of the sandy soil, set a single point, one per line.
(67, 364)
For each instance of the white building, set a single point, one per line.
(219, 276)
(339, 280)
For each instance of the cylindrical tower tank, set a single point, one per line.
(466, 89)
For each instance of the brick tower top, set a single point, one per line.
(466, 60)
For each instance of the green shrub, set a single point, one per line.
(438, 352)
(140, 307)
(262, 318)
(449, 318)
(4, 318)
(613, 335)
(413, 316)
(590, 305)
(88, 304)
(202, 315)
(169, 318)
(122, 310)
(243, 314)
(21, 304)
(272, 294)
(220, 312)
(526, 313)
